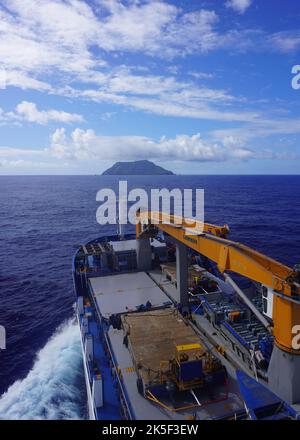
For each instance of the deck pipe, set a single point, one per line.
(249, 303)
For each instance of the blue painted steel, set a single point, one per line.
(111, 407)
(262, 403)
(189, 371)
(127, 400)
(235, 334)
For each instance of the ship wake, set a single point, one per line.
(54, 388)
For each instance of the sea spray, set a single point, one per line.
(53, 389)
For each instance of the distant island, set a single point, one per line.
(138, 167)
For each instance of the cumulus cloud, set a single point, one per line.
(73, 151)
(51, 35)
(239, 6)
(37, 34)
(87, 145)
(28, 111)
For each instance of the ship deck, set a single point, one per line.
(126, 292)
(142, 409)
(152, 338)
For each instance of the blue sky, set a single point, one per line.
(200, 87)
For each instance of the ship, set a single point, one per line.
(181, 324)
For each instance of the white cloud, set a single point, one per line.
(10, 152)
(106, 116)
(239, 6)
(28, 166)
(28, 111)
(29, 161)
(156, 28)
(45, 36)
(284, 41)
(47, 45)
(37, 34)
(163, 96)
(201, 75)
(259, 129)
(24, 81)
(124, 82)
(55, 39)
(84, 148)
(86, 145)
(151, 93)
(191, 109)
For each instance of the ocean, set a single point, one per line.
(44, 219)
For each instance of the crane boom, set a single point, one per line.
(241, 259)
(157, 217)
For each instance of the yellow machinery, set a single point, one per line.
(186, 366)
(236, 257)
(190, 365)
(190, 368)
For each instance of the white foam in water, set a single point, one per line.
(50, 390)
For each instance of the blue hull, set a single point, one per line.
(261, 403)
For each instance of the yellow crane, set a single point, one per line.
(209, 241)
(196, 226)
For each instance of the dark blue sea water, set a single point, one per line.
(43, 219)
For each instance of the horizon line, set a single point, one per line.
(142, 175)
